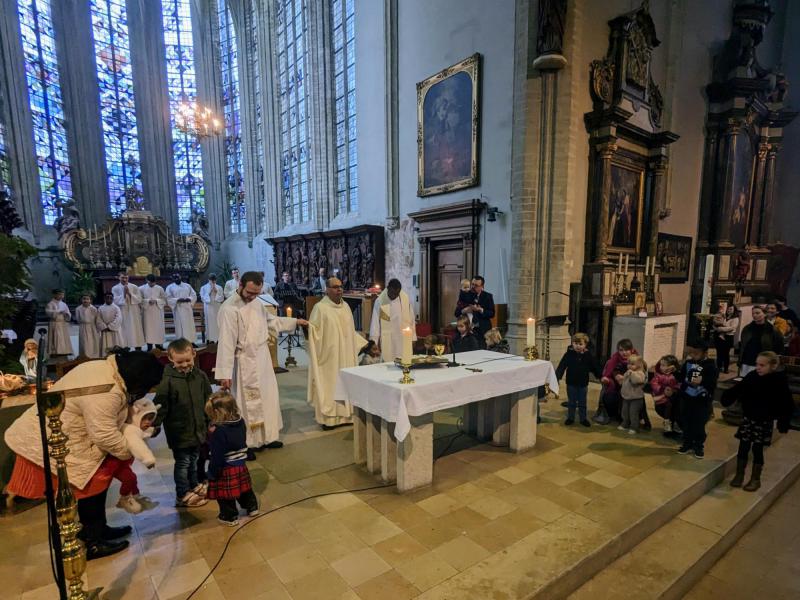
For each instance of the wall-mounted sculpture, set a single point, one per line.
(628, 163)
(747, 112)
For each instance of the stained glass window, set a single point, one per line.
(5, 175)
(47, 108)
(291, 34)
(117, 109)
(182, 86)
(233, 120)
(255, 64)
(344, 74)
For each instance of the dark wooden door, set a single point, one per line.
(449, 272)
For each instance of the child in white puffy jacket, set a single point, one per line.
(138, 428)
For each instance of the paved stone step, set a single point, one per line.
(668, 563)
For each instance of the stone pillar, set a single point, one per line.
(270, 114)
(424, 276)
(359, 436)
(145, 29)
(72, 23)
(373, 426)
(392, 115)
(16, 114)
(756, 213)
(659, 170)
(523, 420)
(767, 236)
(388, 452)
(729, 152)
(415, 455)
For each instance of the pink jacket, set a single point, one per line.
(659, 383)
(615, 365)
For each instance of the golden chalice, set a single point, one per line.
(439, 349)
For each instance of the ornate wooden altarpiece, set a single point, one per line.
(357, 254)
(628, 163)
(747, 112)
(138, 243)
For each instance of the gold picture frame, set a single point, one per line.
(448, 123)
(625, 207)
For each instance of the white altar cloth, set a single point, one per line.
(377, 389)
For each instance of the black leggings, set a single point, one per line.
(758, 451)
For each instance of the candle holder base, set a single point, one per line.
(407, 375)
(531, 353)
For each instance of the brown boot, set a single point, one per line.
(755, 479)
(738, 479)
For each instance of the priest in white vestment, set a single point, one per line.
(129, 299)
(88, 336)
(232, 284)
(58, 340)
(154, 299)
(392, 313)
(243, 360)
(109, 325)
(212, 298)
(181, 298)
(333, 344)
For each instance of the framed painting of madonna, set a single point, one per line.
(448, 115)
(625, 208)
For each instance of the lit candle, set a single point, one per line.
(653, 267)
(531, 337)
(705, 307)
(406, 358)
(619, 264)
(289, 311)
(647, 266)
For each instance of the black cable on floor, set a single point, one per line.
(264, 514)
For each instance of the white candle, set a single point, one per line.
(531, 337)
(89, 235)
(647, 266)
(619, 264)
(289, 311)
(627, 257)
(407, 352)
(653, 267)
(705, 306)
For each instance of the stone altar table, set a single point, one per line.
(393, 423)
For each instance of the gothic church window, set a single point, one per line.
(344, 85)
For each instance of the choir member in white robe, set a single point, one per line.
(154, 299)
(392, 313)
(88, 336)
(232, 284)
(333, 345)
(212, 297)
(181, 298)
(109, 324)
(243, 360)
(58, 340)
(129, 299)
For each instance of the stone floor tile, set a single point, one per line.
(342, 544)
(605, 478)
(325, 583)
(461, 552)
(297, 563)
(182, 579)
(513, 475)
(560, 476)
(438, 505)
(399, 549)
(390, 585)
(243, 582)
(360, 566)
(338, 502)
(408, 516)
(491, 507)
(426, 571)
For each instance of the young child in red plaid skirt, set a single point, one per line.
(228, 477)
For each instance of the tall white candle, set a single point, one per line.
(647, 266)
(705, 306)
(407, 351)
(627, 257)
(619, 264)
(531, 333)
(89, 235)
(289, 311)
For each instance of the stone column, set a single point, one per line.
(72, 23)
(766, 235)
(270, 115)
(16, 114)
(392, 115)
(425, 279)
(146, 32)
(729, 152)
(659, 170)
(756, 213)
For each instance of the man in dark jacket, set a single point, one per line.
(479, 304)
(182, 394)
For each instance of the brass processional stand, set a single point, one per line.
(68, 552)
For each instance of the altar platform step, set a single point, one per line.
(650, 536)
(670, 561)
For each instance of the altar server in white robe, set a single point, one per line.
(129, 299)
(58, 340)
(88, 336)
(392, 313)
(154, 299)
(181, 298)
(243, 360)
(232, 284)
(212, 297)
(333, 345)
(109, 324)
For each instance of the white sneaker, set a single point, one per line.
(667, 426)
(621, 427)
(253, 513)
(191, 500)
(129, 504)
(233, 523)
(632, 431)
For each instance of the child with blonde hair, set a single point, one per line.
(229, 478)
(495, 342)
(632, 392)
(578, 364)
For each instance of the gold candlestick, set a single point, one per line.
(73, 550)
(704, 319)
(407, 374)
(531, 353)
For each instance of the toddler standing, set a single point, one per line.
(698, 379)
(664, 386)
(578, 364)
(632, 392)
(765, 397)
(229, 479)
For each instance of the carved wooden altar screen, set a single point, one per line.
(744, 130)
(628, 163)
(357, 254)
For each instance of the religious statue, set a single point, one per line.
(69, 219)
(550, 35)
(742, 268)
(199, 223)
